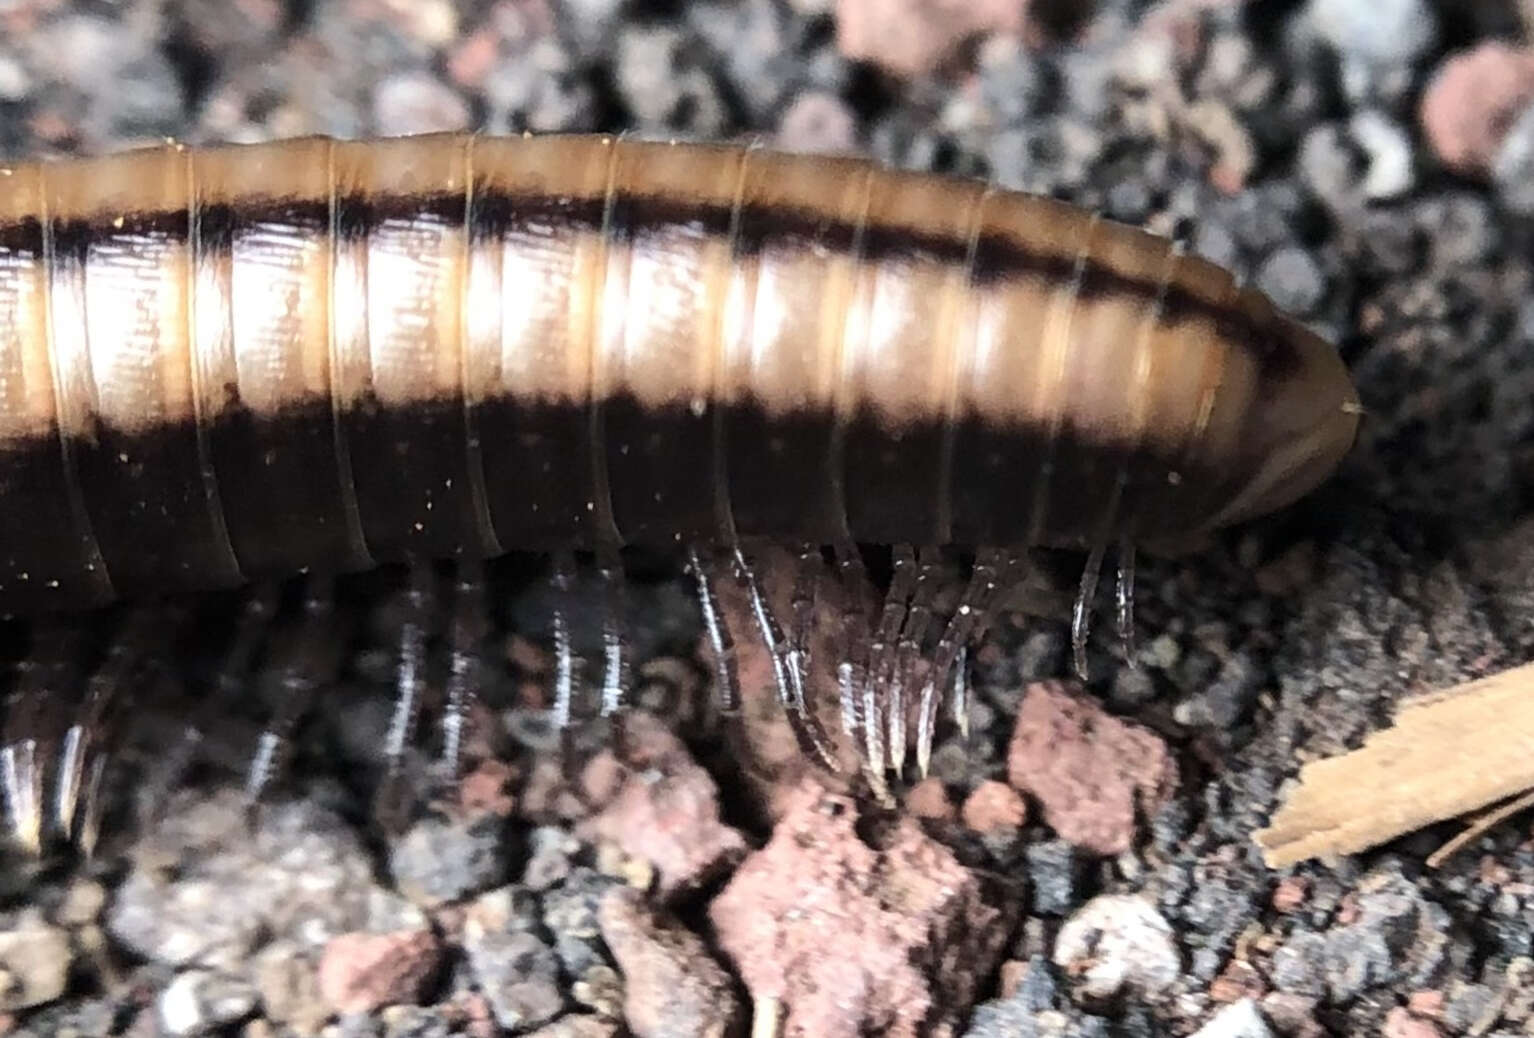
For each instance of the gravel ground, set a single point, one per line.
(1081, 864)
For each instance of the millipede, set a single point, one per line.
(245, 363)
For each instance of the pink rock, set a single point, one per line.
(360, 972)
(1090, 771)
(1473, 100)
(912, 37)
(667, 811)
(853, 934)
(928, 799)
(1399, 1023)
(992, 807)
(672, 985)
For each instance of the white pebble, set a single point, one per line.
(1116, 943)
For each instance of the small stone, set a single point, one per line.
(417, 102)
(994, 806)
(667, 812)
(1513, 168)
(82, 904)
(212, 891)
(913, 37)
(1116, 943)
(1092, 773)
(810, 920)
(34, 965)
(570, 909)
(577, 1025)
(1237, 1020)
(202, 1001)
(1297, 965)
(1290, 893)
(663, 82)
(818, 122)
(600, 988)
(1052, 876)
(1378, 40)
(1389, 149)
(517, 972)
(551, 857)
(1292, 280)
(288, 982)
(928, 799)
(441, 860)
(673, 986)
(1473, 100)
(1400, 1023)
(361, 972)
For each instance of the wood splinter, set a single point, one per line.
(1449, 753)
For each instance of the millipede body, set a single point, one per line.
(243, 362)
(240, 361)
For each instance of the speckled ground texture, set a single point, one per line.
(1082, 864)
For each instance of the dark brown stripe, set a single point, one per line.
(998, 256)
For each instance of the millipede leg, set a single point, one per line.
(301, 678)
(562, 579)
(81, 754)
(23, 756)
(726, 668)
(468, 629)
(908, 652)
(878, 710)
(992, 567)
(1081, 617)
(252, 627)
(410, 686)
(802, 609)
(791, 694)
(615, 678)
(1126, 600)
(851, 670)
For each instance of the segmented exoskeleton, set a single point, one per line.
(229, 363)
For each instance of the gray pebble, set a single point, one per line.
(517, 973)
(34, 965)
(1462, 227)
(1328, 169)
(1052, 876)
(1226, 701)
(570, 910)
(441, 860)
(1237, 1020)
(1513, 168)
(1291, 278)
(509, 908)
(1356, 960)
(202, 1001)
(418, 1022)
(551, 854)
(664, 85)
(417, 102)
(1297, 965)
(538, 88)
(1378, 41)
(213, 891)
(1118, 943)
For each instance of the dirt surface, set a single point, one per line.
(1367, 162)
